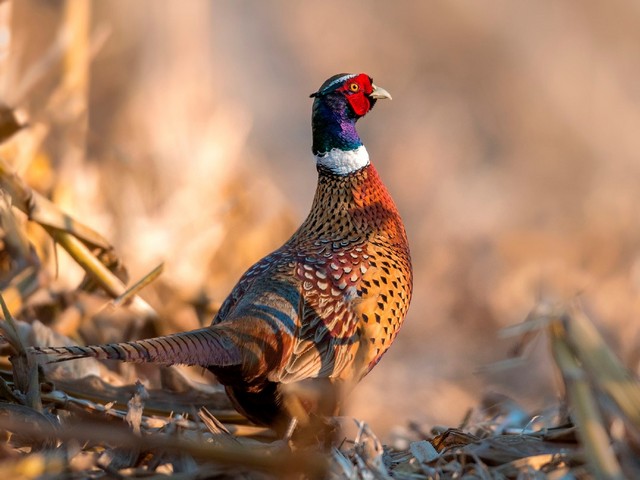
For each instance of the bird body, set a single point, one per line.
(324, 306)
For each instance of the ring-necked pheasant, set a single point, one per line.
(327, 304)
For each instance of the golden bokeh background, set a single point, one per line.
(511, 147)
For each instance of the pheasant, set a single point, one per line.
(326, 305)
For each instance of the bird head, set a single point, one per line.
(337, 105)
(356, 91)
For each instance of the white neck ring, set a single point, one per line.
(344, 162)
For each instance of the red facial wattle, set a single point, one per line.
(360, 103)
(357, 91)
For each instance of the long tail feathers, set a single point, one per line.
(204, 347)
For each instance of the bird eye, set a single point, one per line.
(354, 87)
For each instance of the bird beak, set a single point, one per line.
(379, 93)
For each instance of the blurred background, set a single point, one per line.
(510, 147)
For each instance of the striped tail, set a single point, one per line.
(204, 347)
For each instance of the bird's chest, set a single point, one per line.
(360, 293)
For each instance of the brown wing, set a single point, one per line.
(353, 306)
(266, 267)
(329, 318)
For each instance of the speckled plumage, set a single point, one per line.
(326, 305)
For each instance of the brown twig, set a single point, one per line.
(269, 459)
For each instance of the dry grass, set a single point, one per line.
(117, 128)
